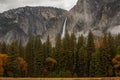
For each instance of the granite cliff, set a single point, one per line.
(100, 16)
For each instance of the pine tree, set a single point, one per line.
(80, 65)
(81, 42)
(117, 40)
(80, 52)
(90, 44)
(0, 46)
(58, 46)
(21, 49)
(58, 52)
(66, 43)
(66, 59)
(3, 48)
(47, 52)
(73, 51)
(106, 60)
(95, 65)
(66, 51)
(72, 42)
(48, 47)
(38, 57)
(90, 49)
(117, 44)
(111, 46)
(12, 68)
(30, 56)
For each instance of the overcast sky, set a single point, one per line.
(9, 4)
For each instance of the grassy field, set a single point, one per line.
(60, 78)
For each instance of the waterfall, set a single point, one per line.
(64, 28)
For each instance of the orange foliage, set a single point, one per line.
(23, 65)
(3, 58)
(21, 62)
(1, 71)
(116, 62)
(98, 43)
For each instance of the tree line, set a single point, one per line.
(70, 57)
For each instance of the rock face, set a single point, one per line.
(100, 16)
(21, 23)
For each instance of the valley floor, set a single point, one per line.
(116, 78)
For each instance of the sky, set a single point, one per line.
(10, 4)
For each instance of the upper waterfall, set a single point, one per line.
(64, 28)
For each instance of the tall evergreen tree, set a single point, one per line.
(30, 56)
(48, 47)
(111, 46)
(72, 42)
(12, 68)
(117, 40)
(81, 42)
(73, 51)
(0, 46)
(117, 44)
(106, 60)
(38, 52)
(58, 52)
(4, 48)
(90, 49)
(21, 49)
(95, 65)
(80, 65)
(66, 42)
(67, 59)
(80, 53)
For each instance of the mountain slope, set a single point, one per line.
(24, 22)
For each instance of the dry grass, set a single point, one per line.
(60, 78)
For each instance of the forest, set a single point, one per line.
(69, 57)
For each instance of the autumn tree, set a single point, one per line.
(116, 63)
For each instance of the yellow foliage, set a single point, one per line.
(52, 60)
(116, 60)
